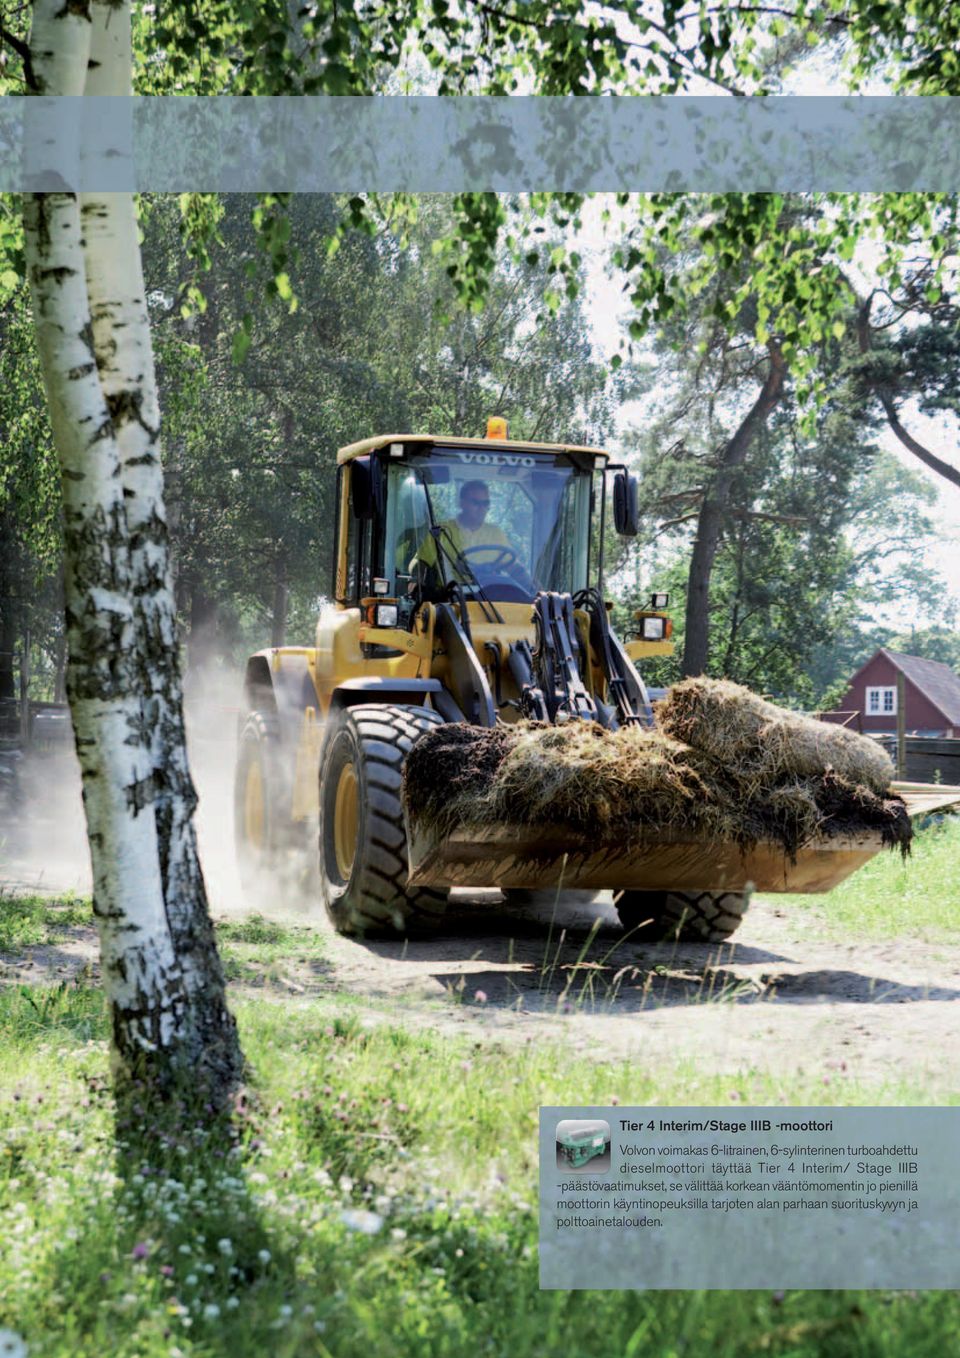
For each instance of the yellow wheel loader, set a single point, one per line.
(468, 587)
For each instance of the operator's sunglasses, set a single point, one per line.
(472, 500)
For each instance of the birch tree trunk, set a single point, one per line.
(161, 971)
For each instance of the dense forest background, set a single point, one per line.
(821, 534)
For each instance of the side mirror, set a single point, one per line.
(366, 487)
(626, 508)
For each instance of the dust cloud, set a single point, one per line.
(43, 841)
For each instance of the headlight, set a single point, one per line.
(651, 629)
(385, 615)
(659, 601)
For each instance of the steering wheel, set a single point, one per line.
(519, 584)
(504, 556)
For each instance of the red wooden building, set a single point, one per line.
(931, 692)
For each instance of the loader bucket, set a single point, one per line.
(515, 856)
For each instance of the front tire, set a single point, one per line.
(687, 916)
(363, 835)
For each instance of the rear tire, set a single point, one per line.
(688, 916)
(267, 840)
(363, 835)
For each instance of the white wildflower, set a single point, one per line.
(367, 1223)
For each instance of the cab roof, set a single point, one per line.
(372, 445)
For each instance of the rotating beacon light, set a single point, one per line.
(496, 427)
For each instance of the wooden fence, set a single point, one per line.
(929, 759)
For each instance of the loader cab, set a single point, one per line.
(429, 517)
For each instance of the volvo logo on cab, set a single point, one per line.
(499, 459)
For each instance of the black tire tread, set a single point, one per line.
(688, 916)
(377, 899)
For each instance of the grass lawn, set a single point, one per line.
(893, 897)
(26, 921)
(382, 1205)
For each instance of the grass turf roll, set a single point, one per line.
(754, 738)
(721, 765)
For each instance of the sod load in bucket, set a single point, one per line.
(720, 766)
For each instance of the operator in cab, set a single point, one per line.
(481, 546)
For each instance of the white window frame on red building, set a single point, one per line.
(881, 700)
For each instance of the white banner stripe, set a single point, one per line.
(517, 144)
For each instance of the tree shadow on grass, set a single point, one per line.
(177, 1247)
(147, 1227)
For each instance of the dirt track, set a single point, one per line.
(782, 997)
(778, 999)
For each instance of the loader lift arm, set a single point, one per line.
(555, 660)
(623, 682)
(549, 678)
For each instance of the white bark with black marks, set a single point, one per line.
(162, 974)
(141, 973)
(122, 343)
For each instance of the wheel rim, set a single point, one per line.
(346, 818)
(254, 807)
